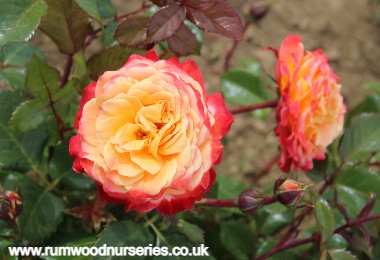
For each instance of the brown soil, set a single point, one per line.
(345, 30)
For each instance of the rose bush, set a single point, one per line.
(148, 134)
(311, 111)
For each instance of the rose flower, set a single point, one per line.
(311, 111)
(149, 136)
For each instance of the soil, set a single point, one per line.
(345, 30)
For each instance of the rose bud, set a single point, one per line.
(5, 206)
(258, 11)
(249, 201)
(287, 191)
(149, 135)
(16, 204)
(310, 112)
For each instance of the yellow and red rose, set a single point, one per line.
(311, 111)
(149, 136)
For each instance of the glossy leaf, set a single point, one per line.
(229, 188)
(165, 22)
(18, 53)
(60, 170)
(15, 77)
(42, 211)
(237, 239)
(125, 233)
(274, 221)
(340, 254)
(325, 219)
(19, 19)
(18, 151)
(183, 42)
(110, 59)
(337, 242)
(360, 179)
(41, 80)
(370, 104)
(91, 8)
(351, 199)
(67, 25)
(29, 115)
(106, 8)
(132, 31)
(362, 138)
(194, 233)
(108, 33)
(215, 17)
(242, 87)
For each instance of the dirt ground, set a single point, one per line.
(348, 32)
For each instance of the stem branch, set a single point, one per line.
(272, 103)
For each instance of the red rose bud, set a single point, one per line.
(249, 201)
(287, 191)
(5, 206)
(16, 204)
(258, 11)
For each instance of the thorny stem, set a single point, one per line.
(229, 203)
(67, 70)
(332, 178)
(248, 108)
(315, 238)
(143, 6)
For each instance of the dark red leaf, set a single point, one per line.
(183, 42)
(67, 25)
(215, 16)
(368, 207)
(166, 22)
(132, 31)
(365, 234)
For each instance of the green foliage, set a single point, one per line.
(362, 138)
(237, 237)
(324, 218)
(19, 151)
(19, 19)
(42, 211)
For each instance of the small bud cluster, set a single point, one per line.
(250, 201)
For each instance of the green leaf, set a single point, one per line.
(370, 104)
(15, 77)
(91, 8)
(361, 139)
(18, 151)
(125, 233)
(237, 239)
(60, 170)
(110, 59)
(106, 8)
(67, 25)
(270, 223)
(229, 188)
(337, 242)
(340, 254)
(108, 32)
(362, 181)
(325, 218)
(19, 53)
(194, 233)
(374, 86)
(29, 115)
(6, 228)
(19, 19)
(42, 211)
(242, 87)
(41, 80)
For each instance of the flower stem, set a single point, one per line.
(248, 108)
(228, 203)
